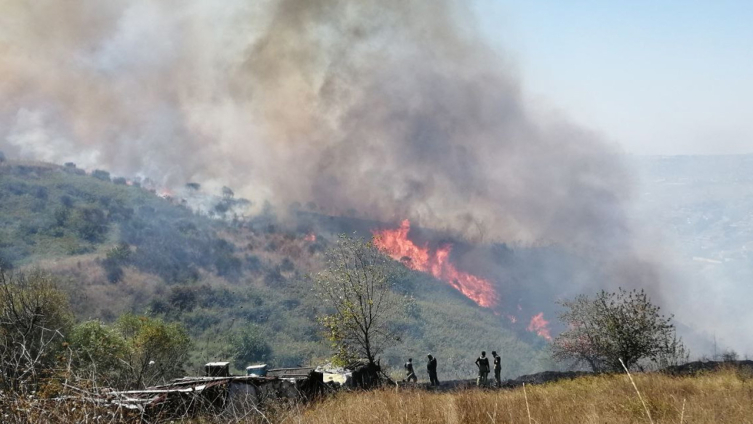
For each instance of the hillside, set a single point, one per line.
(122, 248)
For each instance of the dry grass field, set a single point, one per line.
(722, 397)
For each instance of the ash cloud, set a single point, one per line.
(394, 109)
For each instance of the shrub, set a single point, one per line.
(101, 175)
(34, 316)
(613, 329)
(100, 352)
(91, 224)
(249, 346)
(156, 350)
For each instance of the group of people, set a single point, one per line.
(431, 368)
(482, 362)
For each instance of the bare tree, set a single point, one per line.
(358, 287)
(34, 315)
(617, 326)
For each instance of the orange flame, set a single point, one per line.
(396, 245)
(310, 237)
(540, 326)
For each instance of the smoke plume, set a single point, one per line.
(394, 109)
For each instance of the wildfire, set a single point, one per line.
(395, 243)
(165, 193)
(540, 326)
(311, 237)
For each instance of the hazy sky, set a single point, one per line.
(655, 76)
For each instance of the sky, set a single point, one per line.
(666, 77)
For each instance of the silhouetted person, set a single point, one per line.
(409, 370)
(482, 363)
(497, 368)
(431, 367)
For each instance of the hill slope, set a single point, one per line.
(122, 248)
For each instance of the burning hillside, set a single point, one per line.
(395, 243)
(367, 109)
(436, 262)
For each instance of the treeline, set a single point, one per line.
(42, 345)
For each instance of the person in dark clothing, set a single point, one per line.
(497, 369)
(411, 375)
(482, 363)
(431, 367)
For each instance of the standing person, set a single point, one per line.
(497, 368)
(482, 363)
(409, 370)
(431, 367)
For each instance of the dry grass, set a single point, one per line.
(724, 397)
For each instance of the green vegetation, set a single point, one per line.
(34, 318)
(616, 330)
(239, 287)
(360, 288)
(39, 343)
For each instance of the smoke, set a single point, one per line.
(394, 109)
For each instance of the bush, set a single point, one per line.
(91, 224)
(613, 329)
(249, 346)
(101, 175)
(34, 316)
(100, 353)
(156, 351)
(183, 298)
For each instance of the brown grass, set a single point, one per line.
(724, 397)
(721, 397)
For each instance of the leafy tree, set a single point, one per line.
(612, 327)
(357, 286)
(115, 259)
(34, 316)
(183, 298)
(91, 223)
(156, 351)
(100, 353)
(249, 346)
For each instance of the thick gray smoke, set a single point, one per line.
(396, 109)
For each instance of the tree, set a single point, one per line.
(91, 223)
(100, 353)
(155, 350)
(612, 327)
(249, 346)
(34, 316)
(358, 286)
